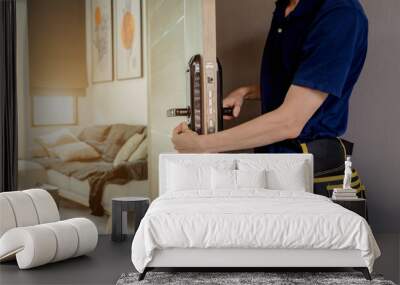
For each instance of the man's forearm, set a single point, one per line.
(252, 92)
(266, 129)
(286, 122)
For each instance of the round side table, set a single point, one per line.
(120, 207)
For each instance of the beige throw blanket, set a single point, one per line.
(99, 174)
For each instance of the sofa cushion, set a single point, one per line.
(94, 133)
(117, 137)
(140, 153)
(79, 151)
(123, 132)
(57, 138)
(38, 151)
(128, 148)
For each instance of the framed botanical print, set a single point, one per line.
(102, 41)
(128, 38)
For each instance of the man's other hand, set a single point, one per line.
(185, 140)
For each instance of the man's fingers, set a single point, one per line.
(185, 127)
(182, 127)
(236, 111)
(177, 130)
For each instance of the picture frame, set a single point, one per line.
(101, 41)
(128, 39)
(43, 114)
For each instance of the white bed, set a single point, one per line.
(216, 225)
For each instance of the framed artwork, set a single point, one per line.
(128, 38)
(54, 111)
(102, 54)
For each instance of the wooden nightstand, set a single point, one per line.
(358, 206)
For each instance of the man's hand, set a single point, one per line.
(286, 122)
(236, 98)
(185, 140)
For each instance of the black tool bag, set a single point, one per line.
(329, 158)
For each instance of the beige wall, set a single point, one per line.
(101, 103)
(242, 27)
(118, 101)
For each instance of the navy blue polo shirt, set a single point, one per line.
(321, 45)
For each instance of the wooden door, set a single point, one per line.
(177, 30)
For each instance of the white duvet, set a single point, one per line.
(250, 219)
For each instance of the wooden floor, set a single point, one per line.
(103, 266)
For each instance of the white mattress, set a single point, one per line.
(250, 219)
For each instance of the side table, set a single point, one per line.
(53, 191)
(358, 206)
(120, 207)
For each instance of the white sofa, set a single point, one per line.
(31, 174)
(31, 231)
(78, 191)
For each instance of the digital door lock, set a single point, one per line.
(205, 112)
(186, 112)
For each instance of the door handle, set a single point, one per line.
(179, 112)
(227, 111)
(186, 112)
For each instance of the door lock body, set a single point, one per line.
(205, 112)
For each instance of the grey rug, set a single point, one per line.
(269, 278)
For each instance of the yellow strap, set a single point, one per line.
(331, 187)
(332, 178)
(304, 148)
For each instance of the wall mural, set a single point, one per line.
(102, 62)
(127, 31)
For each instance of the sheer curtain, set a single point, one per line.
(8, 97)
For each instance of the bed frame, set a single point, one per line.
(259, 259)
(236, 259)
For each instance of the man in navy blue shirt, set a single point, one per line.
(313, 57)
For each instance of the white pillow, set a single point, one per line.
(223, 179)
(79, 151)
(181, 178)
(187, 175)
(251, 178)
(140, 152)
(57, 138)
(127, 149)
(293, 180)
(236, 179)
(285, 174)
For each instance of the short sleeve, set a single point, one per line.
(329, 50)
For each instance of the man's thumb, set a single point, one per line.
(184, 127)
(236, 111)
